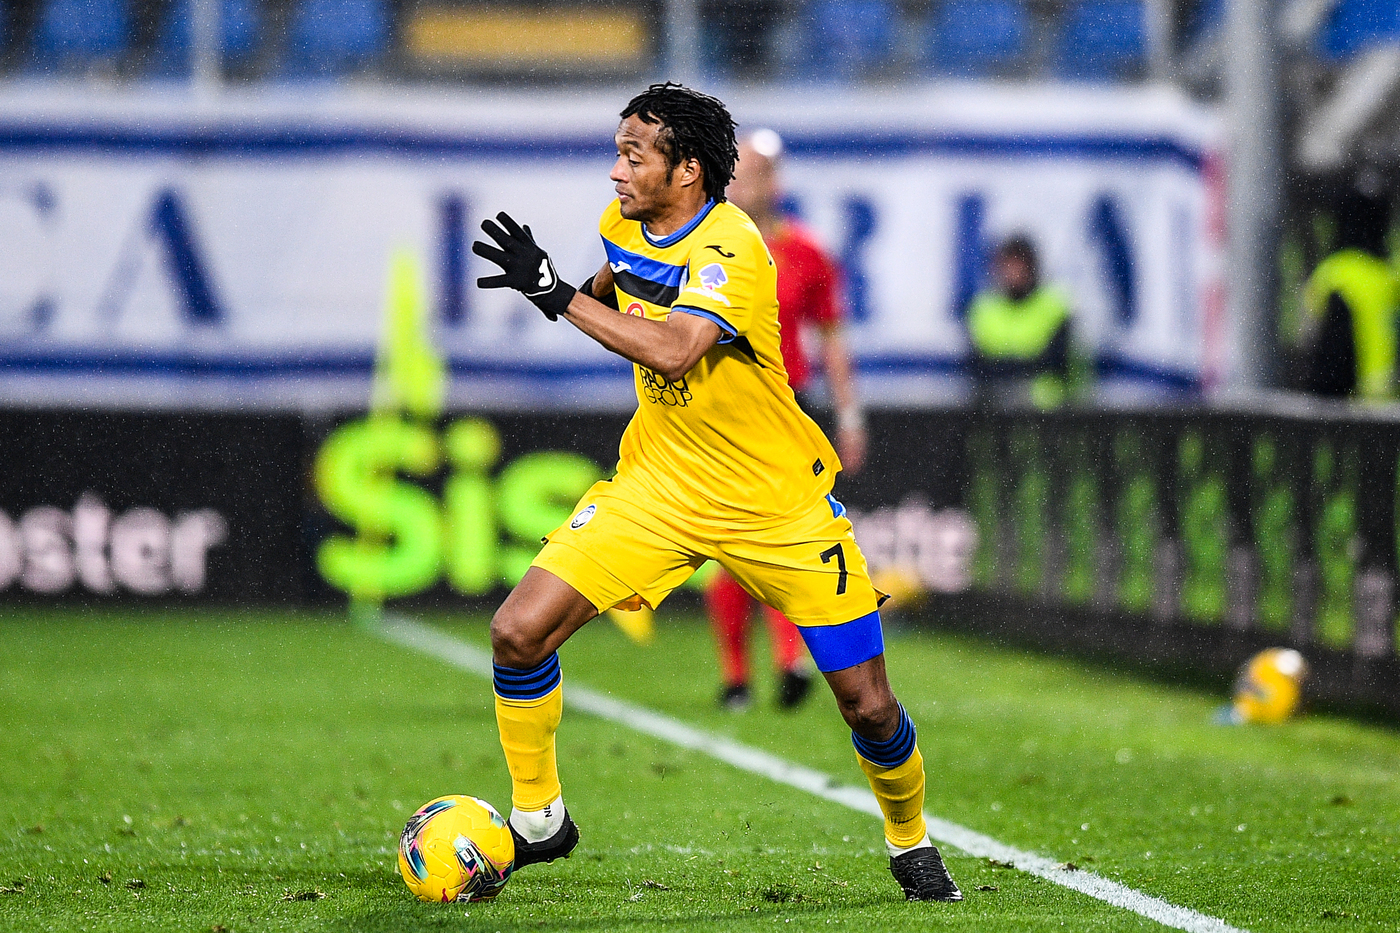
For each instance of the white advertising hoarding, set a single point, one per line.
(158, 250)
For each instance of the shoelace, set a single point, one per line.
(928, 871)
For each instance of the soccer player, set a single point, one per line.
(718, 464)
(808, 288)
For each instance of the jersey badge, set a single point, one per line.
(720, 250)
(712, 279)
(582, 518)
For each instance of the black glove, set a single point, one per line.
(527, 268)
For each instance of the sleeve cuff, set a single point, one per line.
(728, 330)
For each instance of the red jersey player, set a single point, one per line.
(808, 304)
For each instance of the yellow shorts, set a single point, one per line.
(619, 545)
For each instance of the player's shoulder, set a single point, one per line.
(728, 233)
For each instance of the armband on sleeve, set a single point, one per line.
(610, 300)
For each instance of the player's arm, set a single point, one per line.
(836, 357)
(600, 285)
(669, 348)
(850, 419)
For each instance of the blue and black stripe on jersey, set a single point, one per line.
(651, 280)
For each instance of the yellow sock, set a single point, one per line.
(527, 736)
(900, 791)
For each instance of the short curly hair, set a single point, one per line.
(693, 126)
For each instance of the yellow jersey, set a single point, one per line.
(728, 441)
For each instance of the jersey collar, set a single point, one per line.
(674, 238)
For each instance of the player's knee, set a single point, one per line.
(513, 642)
(870, 714)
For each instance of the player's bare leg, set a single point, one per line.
(888, 753)
(537, 617)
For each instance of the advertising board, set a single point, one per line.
(156, 250)
(176, 507)
(453, 510)
(1186, 538)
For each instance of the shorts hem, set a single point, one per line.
(568, 572)
(837, 647)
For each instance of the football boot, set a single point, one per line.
(560, 845)
(735, 698)
(793, 687)
(923, 876)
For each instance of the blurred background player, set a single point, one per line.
(1020, 330)
(808, 305)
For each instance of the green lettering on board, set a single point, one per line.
(983, 498)
(537, 494)
(1335, 543)
(1204, 531)
(1032, 492)
(404, 542)
(469, 506)
(398, 548)
(1080, 524)
(1275, 537)
(1137, 523)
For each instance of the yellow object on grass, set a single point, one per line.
(901, 584)
(637, 623)
(1269, 687)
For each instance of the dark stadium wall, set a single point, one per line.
(102, 507)
(1183, 540)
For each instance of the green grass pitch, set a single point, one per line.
(250, 772)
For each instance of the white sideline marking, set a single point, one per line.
(410, 634)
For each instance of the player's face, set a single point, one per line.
(646, 185)
(754, 189)
(1014, 276)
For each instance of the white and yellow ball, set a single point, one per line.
(1270, 687)
(456, 848)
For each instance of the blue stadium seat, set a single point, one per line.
(72, 32)
(332, 37)
(976, 38)
(1102, 40)
(239, 24)
(1357, 25)
(843, 39)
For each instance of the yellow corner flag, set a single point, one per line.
(409, 372)
(638, 624)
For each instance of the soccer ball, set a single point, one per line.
(1269, 687)
(456, 848)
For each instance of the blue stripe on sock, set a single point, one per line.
(513, 683)
(892, 752)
